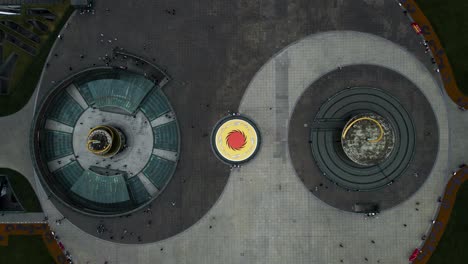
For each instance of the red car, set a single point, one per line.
(415, 254)
(61, 246)
(416, 28)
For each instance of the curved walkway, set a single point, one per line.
(437, 50)
(445, 210)
(33, 229)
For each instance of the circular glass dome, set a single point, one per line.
(105, 142)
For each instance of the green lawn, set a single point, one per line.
(28, 69)
(453, 246)
(448, 17)
(23, 190)
(25, 250)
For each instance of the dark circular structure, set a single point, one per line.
(381, 168)
(329, 104)
(105, 142)
(235, 139)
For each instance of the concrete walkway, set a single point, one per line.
(265, 214)
(14, 153)
(22, 218)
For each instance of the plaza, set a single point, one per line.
(162, 80)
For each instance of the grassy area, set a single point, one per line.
(449, 21)
(25, 250)
(452, 247)
(28, 68)
(23, 190)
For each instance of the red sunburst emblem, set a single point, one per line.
(236, 140)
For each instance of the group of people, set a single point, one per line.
(88, 8)
(67, 254)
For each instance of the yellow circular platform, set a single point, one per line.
(236, 140)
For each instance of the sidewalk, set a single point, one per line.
(437, 50)
(21, 218)
(443, 216)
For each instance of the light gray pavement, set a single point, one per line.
(14, 153)
(458, 123)
(22, 218)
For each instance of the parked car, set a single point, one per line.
(61, 246)
(415, 254)
(416, 28)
